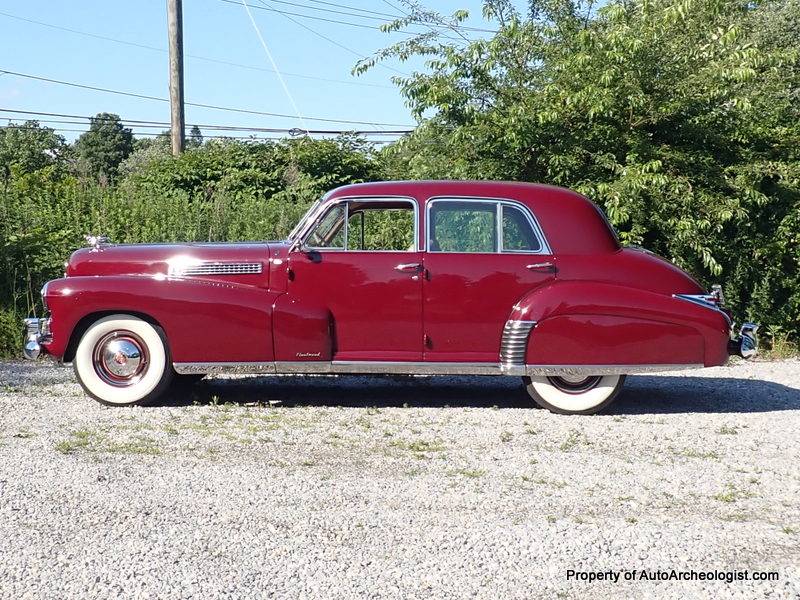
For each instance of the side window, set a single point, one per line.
(330, 231)
(518, 235)
(463, 227)
(376, 228)
(366, 225)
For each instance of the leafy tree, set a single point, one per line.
(28, 148)
(679, 117)
(195, 137)
(103, 148)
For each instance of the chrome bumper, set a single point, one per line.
(746, 343)
(36, 332)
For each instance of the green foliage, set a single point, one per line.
(679, 117)
(104, 146)
(219, 191)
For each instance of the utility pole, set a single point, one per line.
(175, 33)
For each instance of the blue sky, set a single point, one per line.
(213, 29)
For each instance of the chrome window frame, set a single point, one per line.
(544, 245)
(326, 206)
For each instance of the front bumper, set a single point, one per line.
(745, 344)
(37, 332)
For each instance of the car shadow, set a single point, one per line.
(641, 394)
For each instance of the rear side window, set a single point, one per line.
(463, 227)
(485, 226)
(518, 235)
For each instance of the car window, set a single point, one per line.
(329, 232)
(518, 235)
(463, 227)
(380, 229)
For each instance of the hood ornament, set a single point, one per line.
(96, 241)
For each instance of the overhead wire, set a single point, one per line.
(355, 53)
(274, 65)
(196, 104)
(192, 56)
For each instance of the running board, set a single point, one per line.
(414, 368)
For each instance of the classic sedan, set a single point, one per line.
(428, 277)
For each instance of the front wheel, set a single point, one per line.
(574, 395)
(122, 360)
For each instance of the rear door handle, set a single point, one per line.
(542, 266)
(409, 267)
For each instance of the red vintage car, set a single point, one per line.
(428, 277)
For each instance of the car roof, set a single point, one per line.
(554, 207)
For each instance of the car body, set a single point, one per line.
(428, 277)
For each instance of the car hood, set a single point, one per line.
(169, 259)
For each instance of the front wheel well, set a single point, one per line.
(87, 321)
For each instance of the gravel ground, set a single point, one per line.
(318, 487)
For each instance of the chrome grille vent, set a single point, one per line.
(515, 342)
(216, 268)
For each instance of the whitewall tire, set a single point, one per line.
(122, 360)
(574, 395)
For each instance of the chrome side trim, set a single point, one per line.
(416, 368)
(605, 369)
(215, 268)
(513, 346)
(218, 368)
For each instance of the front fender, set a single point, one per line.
(585, 322)
(204, 321)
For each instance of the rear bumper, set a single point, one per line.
(745, 344)
(37, 332)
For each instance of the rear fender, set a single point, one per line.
(598, 323)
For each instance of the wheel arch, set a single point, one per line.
(89, 319)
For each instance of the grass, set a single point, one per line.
(419, 446)
(693, 453)
(726, 429)
(469, 473)
(732, 494)
(574, 439)
(87, 440)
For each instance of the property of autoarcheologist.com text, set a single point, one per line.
(615, 576)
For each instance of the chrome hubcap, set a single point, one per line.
(575, 384)
(120, 358)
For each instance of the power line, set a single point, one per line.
(192, 56)
(325, 19)
(196, 104)
(274, 65)
(332, 41)
(375, 16)
(215, 137)
(147, 123)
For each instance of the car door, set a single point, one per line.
(483, 255)
(361, 262)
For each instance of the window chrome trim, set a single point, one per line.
(326, 206)
(532, 221)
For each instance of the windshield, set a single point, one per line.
(301, 222)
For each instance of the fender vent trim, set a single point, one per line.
(514, 345)
(217, 268)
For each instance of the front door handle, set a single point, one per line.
(542, 266)
(409, 267)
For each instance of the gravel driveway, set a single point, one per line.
(317, 487)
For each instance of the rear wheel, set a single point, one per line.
(574, 394)
(122, 360)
